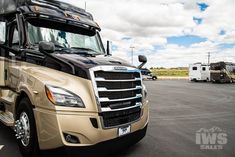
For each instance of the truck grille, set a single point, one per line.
(118, 85)
(117, 75)
(116, 118)
(119, 94)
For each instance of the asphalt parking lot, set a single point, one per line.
(178, 109)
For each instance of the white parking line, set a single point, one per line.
(1, 146)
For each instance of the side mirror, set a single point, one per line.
(48, 47)
(109, 48)
(143, 60)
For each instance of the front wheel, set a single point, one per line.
(26, 130)
(154, 78)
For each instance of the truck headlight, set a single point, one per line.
(62, 97)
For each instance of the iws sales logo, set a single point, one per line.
(212, 139)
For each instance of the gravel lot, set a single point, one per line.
(178, 110)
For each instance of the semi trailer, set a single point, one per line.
(199, 72)
(59, 87)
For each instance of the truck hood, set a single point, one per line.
(83, 63)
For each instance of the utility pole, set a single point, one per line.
(85, 6)
(132, 54)
(209, 56)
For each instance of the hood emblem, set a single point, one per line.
(120, 68)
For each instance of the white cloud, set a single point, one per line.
(218, 16)
(149, 22)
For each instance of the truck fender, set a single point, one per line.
(24, 92)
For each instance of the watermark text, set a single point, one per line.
(212, 139)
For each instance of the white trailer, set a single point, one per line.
(199, 72)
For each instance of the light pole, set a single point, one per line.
(132, 54)
(209, 55)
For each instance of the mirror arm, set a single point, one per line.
(141, 65)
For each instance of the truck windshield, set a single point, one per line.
(66, 42)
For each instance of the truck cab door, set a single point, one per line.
(9, 69)
(13, 54)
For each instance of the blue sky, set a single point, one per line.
(222, 32)
(186, 40)
(202, 6)
(197, 20)
(226, 46)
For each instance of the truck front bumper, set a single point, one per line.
(101, 149)
(53, 126)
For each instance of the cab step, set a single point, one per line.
(8, 97)
(7, 118)
(7, 100)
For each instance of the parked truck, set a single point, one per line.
(59, 87)
(223, 72)
(199, 72)
(148, 75)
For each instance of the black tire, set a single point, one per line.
(154, 78)
(222, 81)
(32, 149)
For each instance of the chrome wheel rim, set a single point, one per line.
(25, 129)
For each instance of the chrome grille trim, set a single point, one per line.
(108, 109)
(117, 90)
(114, 100)
(104, 80)
(132, 102)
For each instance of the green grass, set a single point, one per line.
(170, 72)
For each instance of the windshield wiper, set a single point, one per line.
(85, 49)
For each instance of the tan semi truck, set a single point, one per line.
(59, 87)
